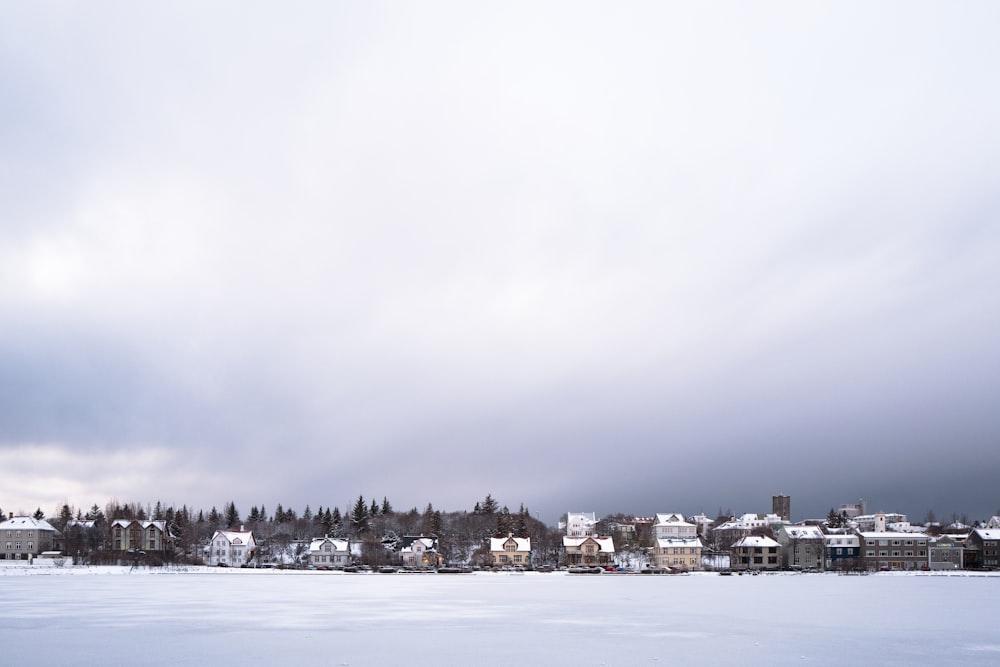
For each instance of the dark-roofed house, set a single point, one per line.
(982, 548)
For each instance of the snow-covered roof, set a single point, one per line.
(842, 540)
(664, 542)
(677, 518)
(523, 543)
(26, 523)
(606, 544)
(985, 533)
(803, 532)
(235, 536)
(428, 543)
(890, 535)
(317, 544)
(755, 541)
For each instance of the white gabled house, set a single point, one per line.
(579, 524)
(589, 550)
(232, 548)
(420, 551)
(329, 552)
(673, 526)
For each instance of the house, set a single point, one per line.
(589, 550)
(579, 524)
(889, 550)
(945, 552)
(329, 552)
(682, 553)
(673, 526)
(510, 551)
(420, 551)
(982, 548)
(232, 548)
(755, 552)
(25, 538)
(148, 536)
(842, 551)
(801, 546)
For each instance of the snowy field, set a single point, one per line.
(108, 616)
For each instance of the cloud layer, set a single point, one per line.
(642, 259)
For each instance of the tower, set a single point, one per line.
(782, 506)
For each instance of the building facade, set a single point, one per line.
(24, 538)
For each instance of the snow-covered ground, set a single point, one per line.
(109, 616)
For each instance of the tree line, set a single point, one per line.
(284, 532)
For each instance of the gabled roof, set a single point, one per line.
(523, 543)
(236, 536)
(318, 542)
(606, 544)
(671, 520)
(427, 542)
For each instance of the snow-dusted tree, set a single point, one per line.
(39, 514)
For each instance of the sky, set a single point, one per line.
(648, 257)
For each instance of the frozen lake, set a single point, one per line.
(211, 617)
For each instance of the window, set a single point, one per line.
(909, 554)
(31, 546)
(510, 546)
(870, 554)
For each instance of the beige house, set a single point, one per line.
(590, 550)
(148, 536)
(681, 553)
(510, 551)
(24, 538)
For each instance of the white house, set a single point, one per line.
(420, 551)
(329, 552)
(682, 553)
(232, 548)
(673, 526)
(579, 524)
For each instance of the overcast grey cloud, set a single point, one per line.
(647, 257)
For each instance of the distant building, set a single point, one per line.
(782, 506)
(510, 551)
(579, 524)
(420, 551)
(946, 552)
(853, 510)
(801, 546)
(232, 548)
(148, 536)
(893, 551)
(24, 538)
(755, 552)
(982, 548)
(589, 550)
(669, 526)
(843, 551)
(329, 552)
(682, 553)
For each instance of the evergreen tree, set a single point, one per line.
(386, 507)
(279, 514)
(39, 514)
(373, 510)
(232, 517)
(307, 514)
(489, 505)
(505, 523)
(521, 522)
(214, 519)
(336, 520)
(359, 516)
